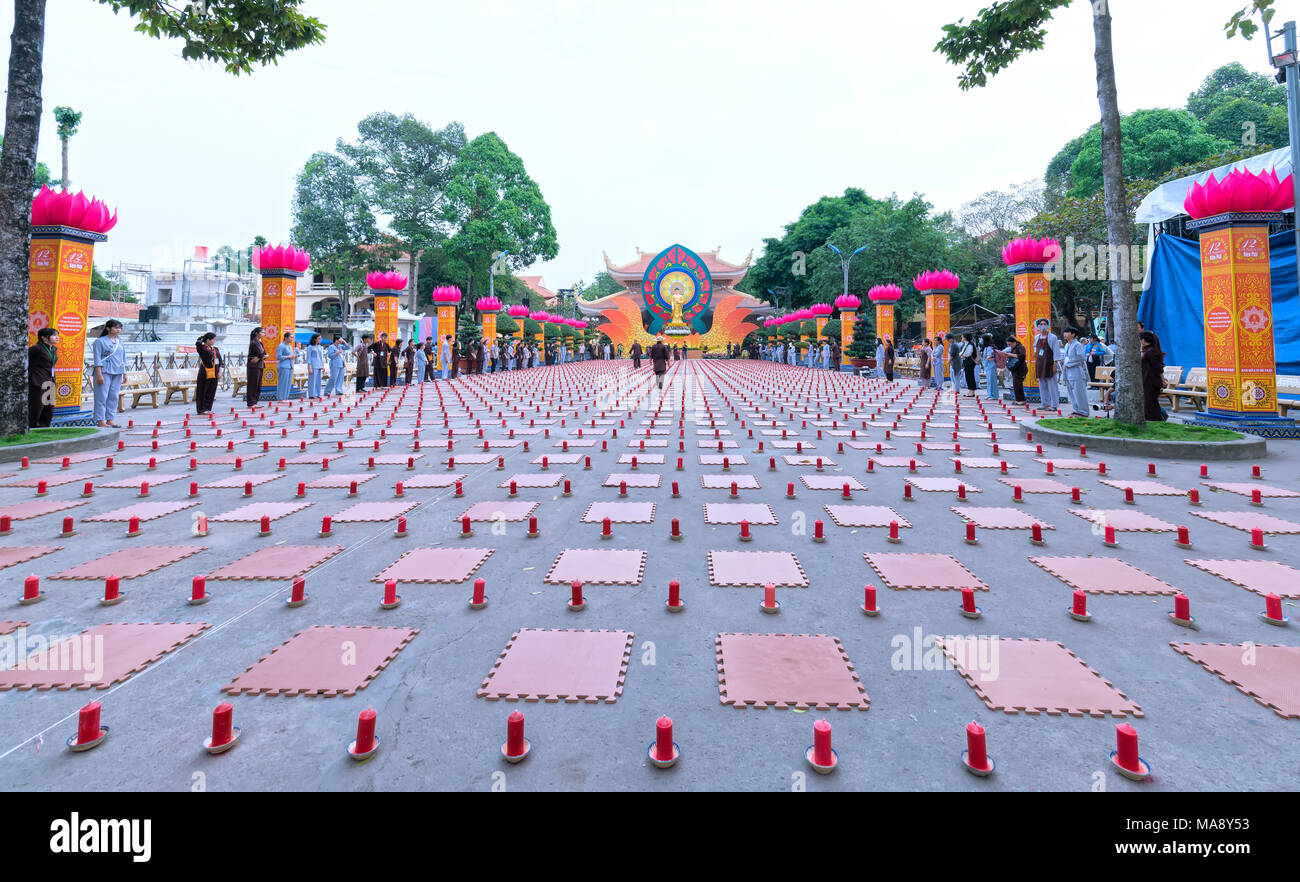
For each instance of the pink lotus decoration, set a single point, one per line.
(540, 317)
(847, 302)
(577, 323)
(804, 314)
(518, 311)
(937, 280)
(1240, 190)
(63, 209)
(390, 281)
(1030, 251)
(884, 293)
(282, 257)
(821, 309)
(446, 294)
(488, 304)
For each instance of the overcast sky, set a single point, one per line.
(708, 123)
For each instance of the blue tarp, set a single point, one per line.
(1171, 306)
(305, 336)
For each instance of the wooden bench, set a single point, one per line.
(1193, 389)
(1105, 378)
(138, 385)
(178, 382)
(1287, 385)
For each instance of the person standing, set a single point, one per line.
(336, 352)
(936, 363)
(209, 375)
(968, 363)
(956, 370)
(880, 358)
(315, 366)
(408, 356)
(255, 368)
(1045, 367)
(659, 356)
(455, 358)
(1018, 367)
(636, 355)
(421, 361)
(362, 355)
(430, 360)
(394, 350)
(889, 359)
(1075, 360)
(835, 356)
(1153, 376)
(379, 361)
(444, 356)
(284, 368)
(989, 355)
(924, 356)
(110, 368)
(41, 358)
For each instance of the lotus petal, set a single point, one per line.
(1284, 196)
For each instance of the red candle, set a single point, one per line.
(325, 524)
(744, 529)
(869, 601)
(1273, 607)
(464, 524)
(822, 755)
(976, 751)
(968, 599)
(265, 524)
(1182, 607)
(221, 723)
(957, 466)
(961, 491)
(194, 463)
(1101, 468)
(299, 590)
(88, 489)
(1184, 536)
(1205, 471)
(133, 525)
(1256, 497)
(818, 529)
(1194, 496)
(203, 524)
(88, 727)
(1049, 467)
(31, 587)
(622, 488)
(390, 591)
(197, 587)
(365, 731)
(1080, 603)
(605, 527)
(1257, 538)
(769, 595)
(893, 529)
(970, 532)
(515, 734)
(479, 586)
(111, 588)
(1036, 532)
(1127, 746)
(674, 593)
(40, 488)
(1254, 471)
(907, 491)
(677, 527)
(577, 592)
(325, 463)
(1110, 534)
(663, 738)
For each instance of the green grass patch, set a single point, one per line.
(1153, 431)
(57, 433)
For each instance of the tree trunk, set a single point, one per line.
(66, 183)
(414, 300)
(17, 172)
(1128, 367)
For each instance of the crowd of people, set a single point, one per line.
(826, 356)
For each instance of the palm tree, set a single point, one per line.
(68, 120)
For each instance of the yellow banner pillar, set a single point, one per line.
(489, 328)
(847, 319)
(937, 305)
(386, 307)
(60, 261)
(1237, 308)
(279, 313)
(1033, 302)
(885, 320)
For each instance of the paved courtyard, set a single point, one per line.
(898, 689)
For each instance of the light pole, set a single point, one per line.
(1288, 64)
(845, 261)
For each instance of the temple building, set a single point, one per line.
(687, 297)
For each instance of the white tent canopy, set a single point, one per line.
(1166, 201)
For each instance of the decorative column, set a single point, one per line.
(488, 308)
(822, 314)
(280, 268)
(447, 298)
(848, 307)
(518, 312)
(1232, 217)
(65, 229)
(885, 296)
(541, 318)
(1027, 264)
(937, 287)
(383, 290)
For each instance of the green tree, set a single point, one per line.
(236, 33)
(1231, 82)
(68, 121)
(1000, 34)
(495, 207)
(403, 167)
(102, 288)
(601, 286)
(1154, 140)
(1249, 123)
(334, 223)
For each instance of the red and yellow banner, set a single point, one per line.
(446, 326)
(1033, 302)
(821, 323)
(846, 330)
(489, 327)
(885, 320)
(1240, 366)
(386, 306)
(59, 297)
(937, 320)
(279, 311)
